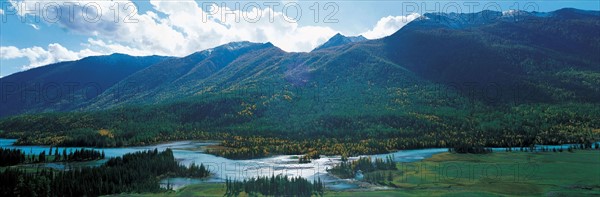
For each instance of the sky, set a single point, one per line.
(35, 33)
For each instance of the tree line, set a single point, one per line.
(275, 186)
(10, 157)
(348, 169)
(132, 173)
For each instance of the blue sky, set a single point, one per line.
(34, 33)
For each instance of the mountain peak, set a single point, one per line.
(457, 20)
(337, 35)
(238, 45)
(232, 46)
(339, 39)
(467, 20)
(568, 13)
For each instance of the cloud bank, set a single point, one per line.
(39, 56)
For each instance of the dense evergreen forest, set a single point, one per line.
(275, 186)
(134, 172)
(348, 169)
(506, 126)
(468, 148)
(11, 157)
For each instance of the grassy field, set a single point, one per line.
(207, 189)
(496, 174)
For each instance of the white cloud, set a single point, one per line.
(39, 56)
(176, 28)
(1, 12)
(185, 27)
(388, 25)
(112, 47)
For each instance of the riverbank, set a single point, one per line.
(188, 152)
(495, 174)
(439, 173)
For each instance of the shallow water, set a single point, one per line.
(223, 168)
(234, 169)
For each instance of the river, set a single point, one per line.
(188, 152)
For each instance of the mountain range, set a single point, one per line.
(437, 63)
(68, 85)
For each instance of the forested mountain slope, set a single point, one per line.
(488, 78)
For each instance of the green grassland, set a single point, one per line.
(206, 189)
(496, 174)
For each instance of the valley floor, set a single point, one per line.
(495, 174)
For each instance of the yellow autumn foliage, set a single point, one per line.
(106, 133)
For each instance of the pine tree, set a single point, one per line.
(56, 155)
(65, 155)
(42, 157)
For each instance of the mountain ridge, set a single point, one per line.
(232, 66)
(488, 83)
(339, 40)
(67, 85)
